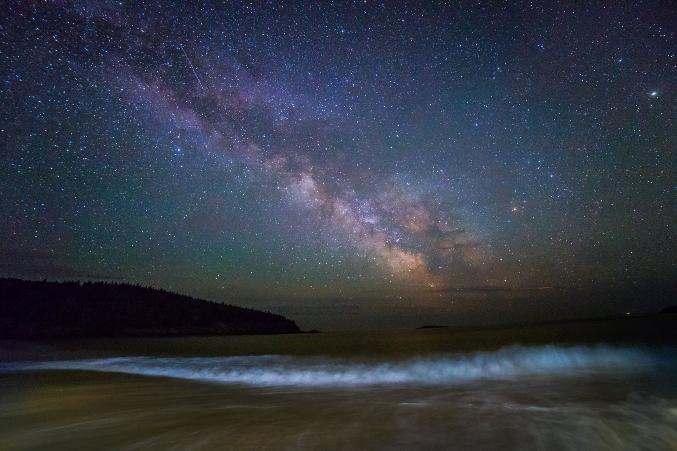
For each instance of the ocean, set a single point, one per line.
(424, 389)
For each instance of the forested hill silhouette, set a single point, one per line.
(30, 309)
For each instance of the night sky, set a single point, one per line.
(347, 164)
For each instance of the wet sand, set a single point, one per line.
(84, 410)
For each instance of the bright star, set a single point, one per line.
(653, 93)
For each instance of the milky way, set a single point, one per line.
(360, 156)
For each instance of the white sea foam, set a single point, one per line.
(507, 363)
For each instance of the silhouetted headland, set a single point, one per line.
(30, 309)
(431, 326)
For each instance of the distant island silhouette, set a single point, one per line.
(32, 309)
(431, 326)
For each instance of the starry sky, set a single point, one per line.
(345, 163)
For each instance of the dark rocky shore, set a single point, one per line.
(30, 309)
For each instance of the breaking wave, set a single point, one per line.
(276, 370)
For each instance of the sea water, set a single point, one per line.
(549, 397)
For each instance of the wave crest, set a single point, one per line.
(276, 370)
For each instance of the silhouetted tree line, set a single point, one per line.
(49, 309)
